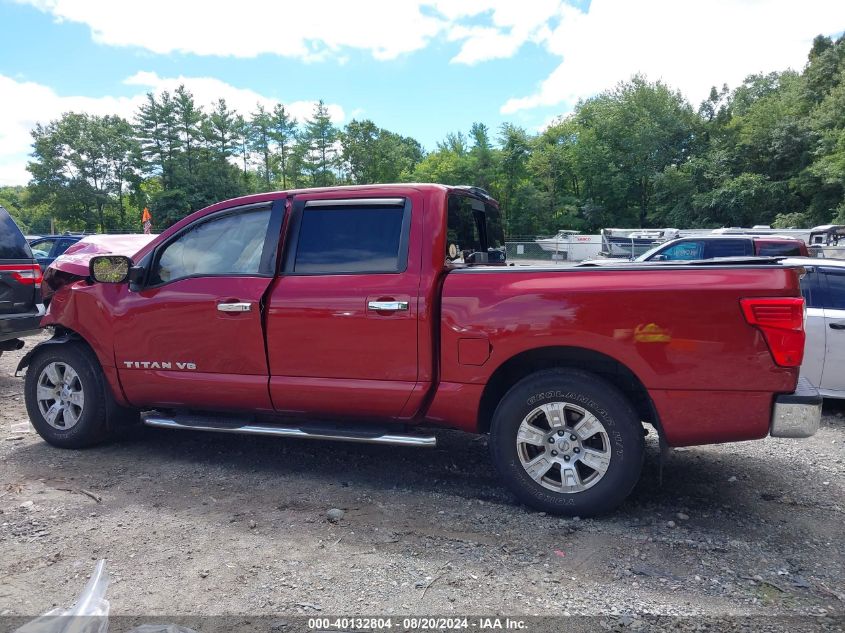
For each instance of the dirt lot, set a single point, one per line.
(194, 523)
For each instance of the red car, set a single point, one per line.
(369, 313)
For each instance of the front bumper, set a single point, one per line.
(797, 414)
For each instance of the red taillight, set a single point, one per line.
(27, 274)
(781, 320)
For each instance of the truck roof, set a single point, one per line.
(469, 190)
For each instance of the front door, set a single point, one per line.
(833, 377)
(815, 328)
(342, 316)
(192, 335)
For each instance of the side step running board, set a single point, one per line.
(317, 432)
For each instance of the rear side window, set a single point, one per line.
(12, 242)
(474, 232)
(788, 250)
(63, 246)
(352, 239)
(728, 248)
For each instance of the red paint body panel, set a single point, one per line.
(85, 309)
(705, 417)
(179, 323)
(340, 397)
(320, 333)
(675, 329)
(312, 347)
(455, 405)
(198, 390)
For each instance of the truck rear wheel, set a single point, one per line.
(567, 442)
(67, 399)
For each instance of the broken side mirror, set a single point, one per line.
(110, 269)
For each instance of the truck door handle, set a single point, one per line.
(234, 307)
(839, 325)
(387, 306)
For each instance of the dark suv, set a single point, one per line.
(20, 286)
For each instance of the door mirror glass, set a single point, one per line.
(110, 269)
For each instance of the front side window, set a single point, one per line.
(835, 296)
(810, 289)
(42, 248)
(682, 251)
(229, 245)
(352, 239)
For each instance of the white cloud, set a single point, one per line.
(313, 30)
(512, 24)
(306, 30)
(26, 103)
(689, 45)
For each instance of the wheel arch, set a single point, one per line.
(559, 357)
(63, 336)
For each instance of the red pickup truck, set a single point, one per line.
(369, 313)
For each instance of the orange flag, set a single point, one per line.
(146, 217)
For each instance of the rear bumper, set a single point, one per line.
(797, 414)
(17, 325)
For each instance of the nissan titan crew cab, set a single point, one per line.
(372, 313)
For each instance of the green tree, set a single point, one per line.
(283, 132)
(628, 136)
(260, 138)
(375, 155)
(81, 164)
(319, 137)
(189, 118)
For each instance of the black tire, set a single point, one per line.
(100, 416)
(586, 392)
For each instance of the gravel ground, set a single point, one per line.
(197, 523)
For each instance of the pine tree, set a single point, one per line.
(319, 136)
(260, 139)
(283, 131)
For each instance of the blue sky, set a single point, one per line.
(418, 67)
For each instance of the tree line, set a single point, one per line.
(770, 151)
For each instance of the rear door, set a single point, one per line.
(192, 335)
(342, 316)
(19, 274)
(833, 376)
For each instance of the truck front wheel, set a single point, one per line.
(567, 442)
(67, 399)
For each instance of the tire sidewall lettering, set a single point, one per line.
(587, 403)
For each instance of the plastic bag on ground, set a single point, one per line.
(89, 614)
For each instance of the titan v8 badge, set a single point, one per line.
(154, 364)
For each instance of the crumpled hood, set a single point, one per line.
(75, 259)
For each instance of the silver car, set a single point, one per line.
(823, 288)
